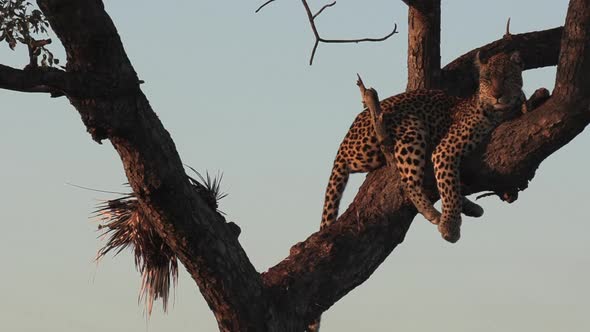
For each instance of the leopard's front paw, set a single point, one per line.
(433, 216)
(450, 228)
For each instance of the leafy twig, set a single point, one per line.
(18, 24)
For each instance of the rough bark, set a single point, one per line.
(537, 49)
(423, 44)
(326, 266)
(198, 235)
(380, 215)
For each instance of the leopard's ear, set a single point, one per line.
(515, 57)
(480, 59)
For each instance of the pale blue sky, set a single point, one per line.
(235, 91)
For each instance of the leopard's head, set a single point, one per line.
(500, 81)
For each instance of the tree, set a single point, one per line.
(199, 236)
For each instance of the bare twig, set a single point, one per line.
(264, 5)
(361, 39)
(321, 10)
(319, 39)
(487, 194)
(508, 34)
(371, 101)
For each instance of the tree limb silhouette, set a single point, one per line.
(328, 264)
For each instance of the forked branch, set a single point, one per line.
(380, 215)
(311, 16)
(330, 263)
(319, 39)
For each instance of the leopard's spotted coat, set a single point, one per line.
(431, 124)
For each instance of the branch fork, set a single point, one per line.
(332, 262)
(311, 17)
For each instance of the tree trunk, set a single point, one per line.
(196, 233)
(423, 44)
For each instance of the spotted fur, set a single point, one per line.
(431, 124)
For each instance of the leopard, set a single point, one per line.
(431, 124)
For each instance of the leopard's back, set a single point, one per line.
(434, 109)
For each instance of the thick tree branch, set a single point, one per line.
(536, 135)
(537, 49)
(58, 82)
(423, 44)
(34, 80)
(330, 263)
(198, 235)
(573, 71)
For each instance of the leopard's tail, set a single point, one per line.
(334, 191)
